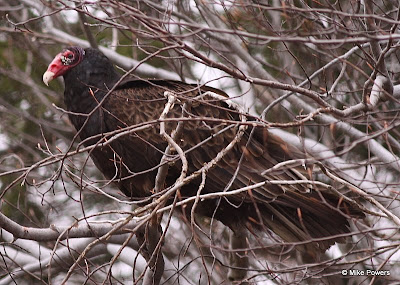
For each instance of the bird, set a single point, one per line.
(101, 103)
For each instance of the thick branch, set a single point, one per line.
(86, 229)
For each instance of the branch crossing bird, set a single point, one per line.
(100, 104)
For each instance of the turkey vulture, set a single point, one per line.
(100, 105)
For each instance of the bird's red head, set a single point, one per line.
(63, 62)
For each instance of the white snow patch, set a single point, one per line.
(3, 141)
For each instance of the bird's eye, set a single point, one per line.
(67, 58)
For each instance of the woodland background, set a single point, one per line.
(325, 74)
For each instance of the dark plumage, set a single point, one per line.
(295, 212)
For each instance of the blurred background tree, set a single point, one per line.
(325, 73)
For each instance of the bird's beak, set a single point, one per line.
(56, 68)
(47, 77)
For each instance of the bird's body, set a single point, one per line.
(295, 211)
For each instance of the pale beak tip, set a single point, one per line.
(47, 77)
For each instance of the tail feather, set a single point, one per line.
(299, 218)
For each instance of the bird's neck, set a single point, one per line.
(83, 94)
(84, 90)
